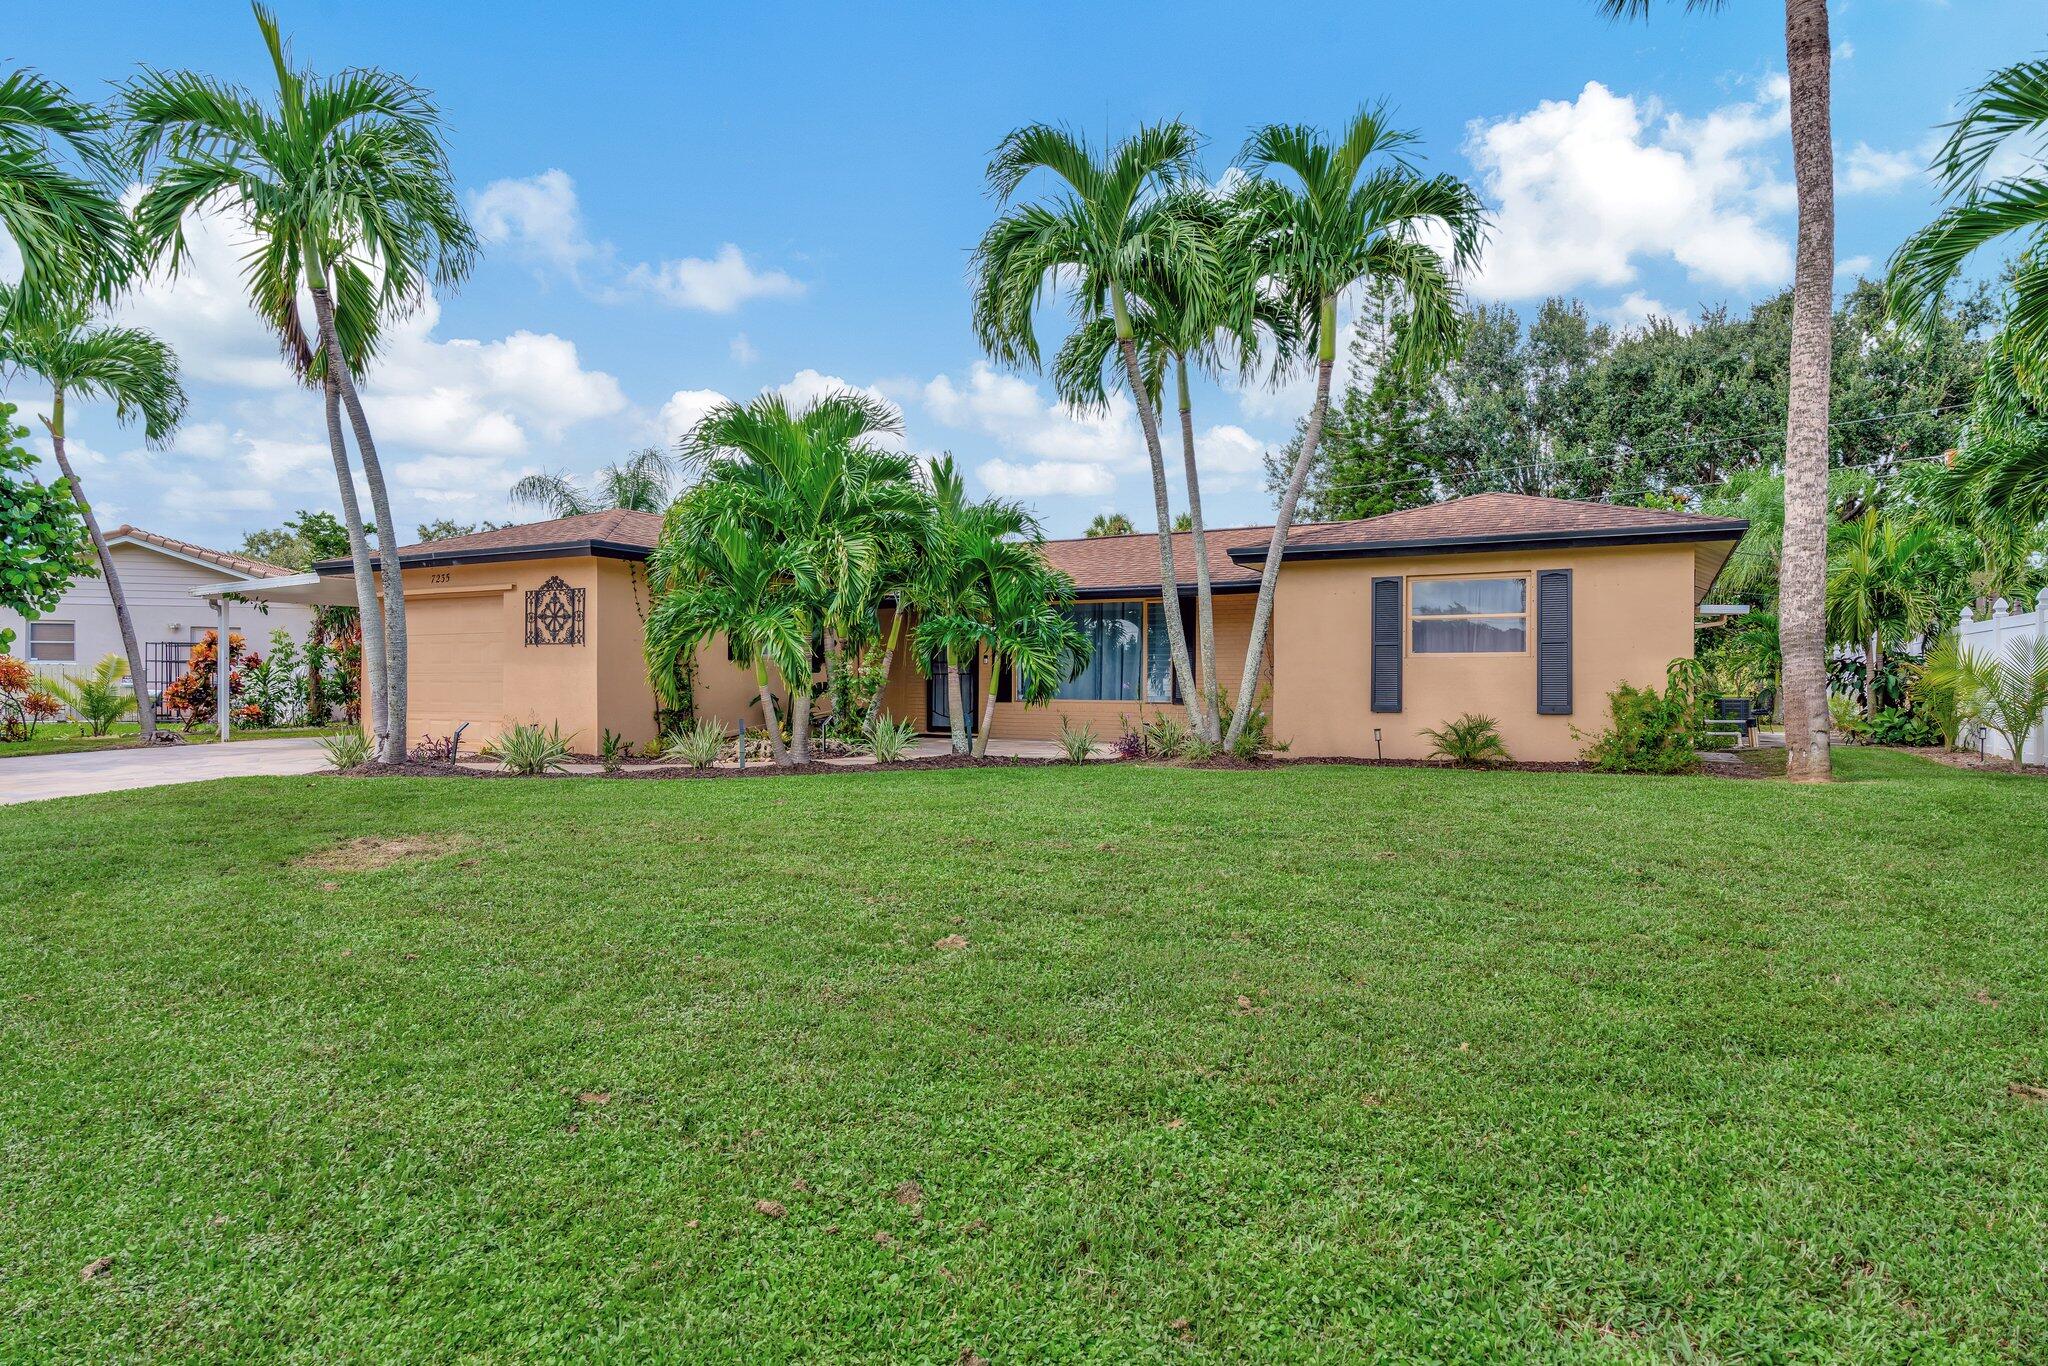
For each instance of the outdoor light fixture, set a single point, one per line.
(1376, 743)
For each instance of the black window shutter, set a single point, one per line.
(1554, 642)
(1386, 644)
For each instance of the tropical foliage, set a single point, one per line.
(1470, 741)
(43, 540)
(530, 749)
(97, 698)
(56, 197)
(644, 481)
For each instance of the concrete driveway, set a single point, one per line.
(36, 778)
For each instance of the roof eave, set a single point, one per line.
(554, 550)
(1515, 540)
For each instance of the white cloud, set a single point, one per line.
(1586, 188)
(1044, 478)
(742, 350)
(537, 217)
(1637, 310)
(718, 285)
(1868, 170)
(685, 409)
(1849, 267)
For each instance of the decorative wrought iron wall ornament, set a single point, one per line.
(554, 614)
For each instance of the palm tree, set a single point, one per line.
(1030, 632)
(1108, 227)
(69, 228)
(1802, 611)
(56, 338)
(970, 547)
(344, 175)
(711, 578)
(1878, 588)
(812, 480)
(1110, 524)
(643, 482)
(1176, 327)
(1355, 211)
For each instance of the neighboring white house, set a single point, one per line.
(158, 574)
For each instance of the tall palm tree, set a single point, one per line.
(1029, 631)
(814, 480)
(1177, 328)
(1107, 226)
(1109, 524)
(68, 227)
(57, 339)
(344, 172)
(1802, 611)
(2002, 461)
(1328, 216)
(969, 547)
(643, 482)
(1879, 587)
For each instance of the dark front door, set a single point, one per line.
(936, 701)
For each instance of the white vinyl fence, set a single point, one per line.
(1990, 638)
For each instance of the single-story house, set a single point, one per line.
(1525, 609)
(159, 575)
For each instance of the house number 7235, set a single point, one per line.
(441, 578)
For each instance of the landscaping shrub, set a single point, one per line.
(97, 699)
(613, 749)
(1077, 741)
(1895, 727)
(530, 750)
(1653, 732)
(192, 692)
(346, 750)
(17, 681)
(1257, 736)
(700, 745)
(1845, 718)
(432, 749)
(1165, 738)
(1471, 741)
(1128, 743)
(275, 686)
(890, 739)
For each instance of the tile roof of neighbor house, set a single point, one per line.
(237, 564)
(1104, 566)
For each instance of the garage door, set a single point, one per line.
(456, 671)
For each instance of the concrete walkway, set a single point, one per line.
(35, 778)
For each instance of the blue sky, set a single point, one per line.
(687, 202)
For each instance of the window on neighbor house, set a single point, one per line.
(1116, 630)
(53, 642)
(1468, 616)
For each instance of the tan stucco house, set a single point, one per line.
(1525, 609)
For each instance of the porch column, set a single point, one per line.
(222, 655)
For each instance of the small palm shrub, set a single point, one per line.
(1471, 741)
(1078, 742)
(1257, 736)
(1653, 732)
(2013, 691)
(1845, 718)
(97, 698)
(346, 750)
(891, 739)
(530, 750)
(700, 745)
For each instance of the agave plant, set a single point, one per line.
(700, 745)
(529, 750)
(890, 739)
(346, 750)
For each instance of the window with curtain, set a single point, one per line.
(1468, 616)
(1116, 631)
(1158, 655)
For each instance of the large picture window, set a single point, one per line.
(1116, 664)
(1468, 616)
(1158, 655)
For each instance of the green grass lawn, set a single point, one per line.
(69, 737)
(1328, 1062)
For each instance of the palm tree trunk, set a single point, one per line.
(371, 622)
(988, 707)
(776, 749)
(956, 723)
(145, 714)
(1205, 611)
(799, 726)
(1873, 655)
(888, 660)
(387, 531)
(1169, 581)
(1276, 546)
(1803, 584)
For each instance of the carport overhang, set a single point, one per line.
(307, 590)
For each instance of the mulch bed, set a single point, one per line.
(1990, 763)
(767, 769)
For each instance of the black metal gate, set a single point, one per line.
(164, 661)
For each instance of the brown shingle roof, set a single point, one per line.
(1499, 518)
(238, 564)
(617, 526)
(1101, 563)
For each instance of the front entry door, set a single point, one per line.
(937, 719)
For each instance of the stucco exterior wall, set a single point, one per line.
(1632, 612)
